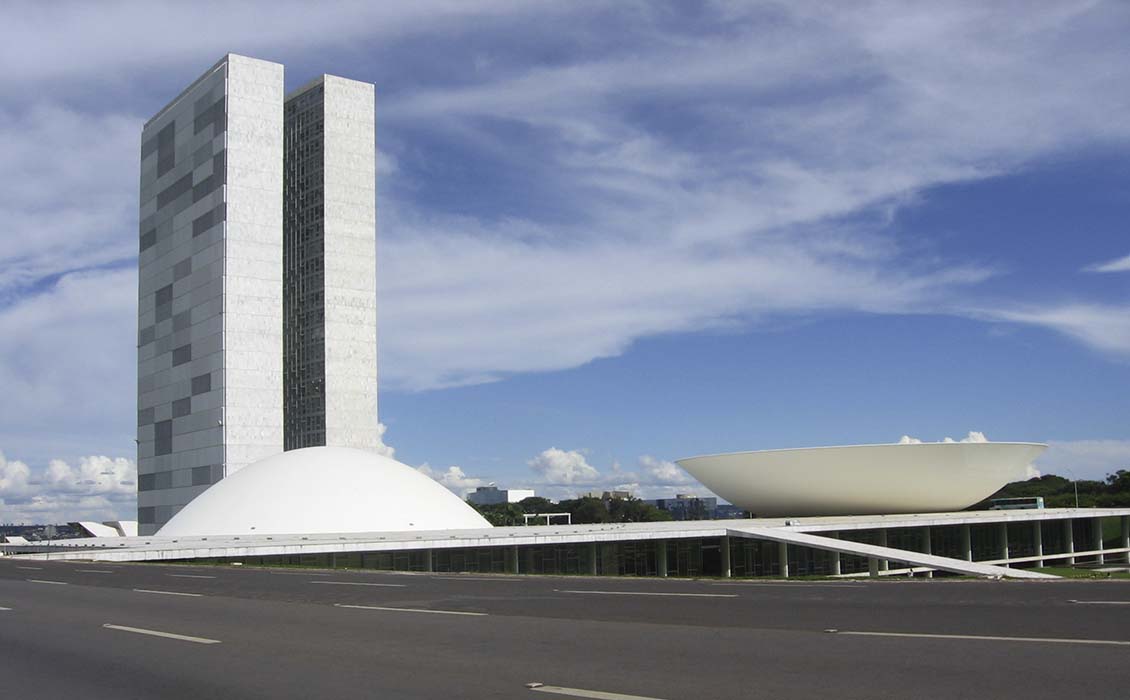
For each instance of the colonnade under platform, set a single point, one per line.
(978, 543)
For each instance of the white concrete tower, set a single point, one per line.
(210, 285)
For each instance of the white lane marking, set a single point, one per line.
(188, 576)
(189, 595)
(93, 571)
(685, 595)
(857, 586)
(53, 583)
(359, 583)
(30, 568)
(413, 610)
(582, 693)
(295, 573)
(6, 609)
(977, 637)
(1100, 602)
(476, 578)
(167, 635)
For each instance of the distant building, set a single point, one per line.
(726, 511)
(492, 495)
(608, 495)
(687, 507)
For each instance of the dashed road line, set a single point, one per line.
(30, 568)
(647, 593)
(985, 638)
(360, 583)
(53, 583)
(411, 610)
(294, 573)
(189, 576)
(5, 609)
(166, 635)
(476, 578)
(583, 693)
(1100, 602)
(93, 571)
(785, 585)
(187, 595)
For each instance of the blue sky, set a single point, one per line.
(616, 234)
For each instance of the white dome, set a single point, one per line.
(863, 479)
(319, 490)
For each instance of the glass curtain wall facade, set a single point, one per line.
(330, 350)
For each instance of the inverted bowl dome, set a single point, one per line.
(320, 490)
(864, 479)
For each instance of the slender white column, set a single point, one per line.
(1097, 538)
(783, 553)
(1003, 542)
(1038, 534)
(835, 556)
(592, 557)
(724, 547)
(661, 557)
(927, 548)
(1126, 538)
(883, 563)
(1069, 540)
(966, 543)
(512, 559)
(872, 567)
(429, 561)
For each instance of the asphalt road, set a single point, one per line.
(96, 630)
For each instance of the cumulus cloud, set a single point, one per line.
(661, 472)
(568, 474)
(1117, 265)
(94, 488)
(383, 448)
(972, 436)
(453, 478)
(564, 467)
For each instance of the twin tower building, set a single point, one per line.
(257, 286)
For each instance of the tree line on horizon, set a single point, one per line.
(584, 510)
(1057, 491)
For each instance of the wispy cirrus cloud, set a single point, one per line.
(558, 182)
(1116, 265)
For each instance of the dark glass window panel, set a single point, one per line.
(170, 193)
(201, 384)
(182, 354)
(148, 239)
(163, 432)
(201, 476)
(166, 148)
(182, 407)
